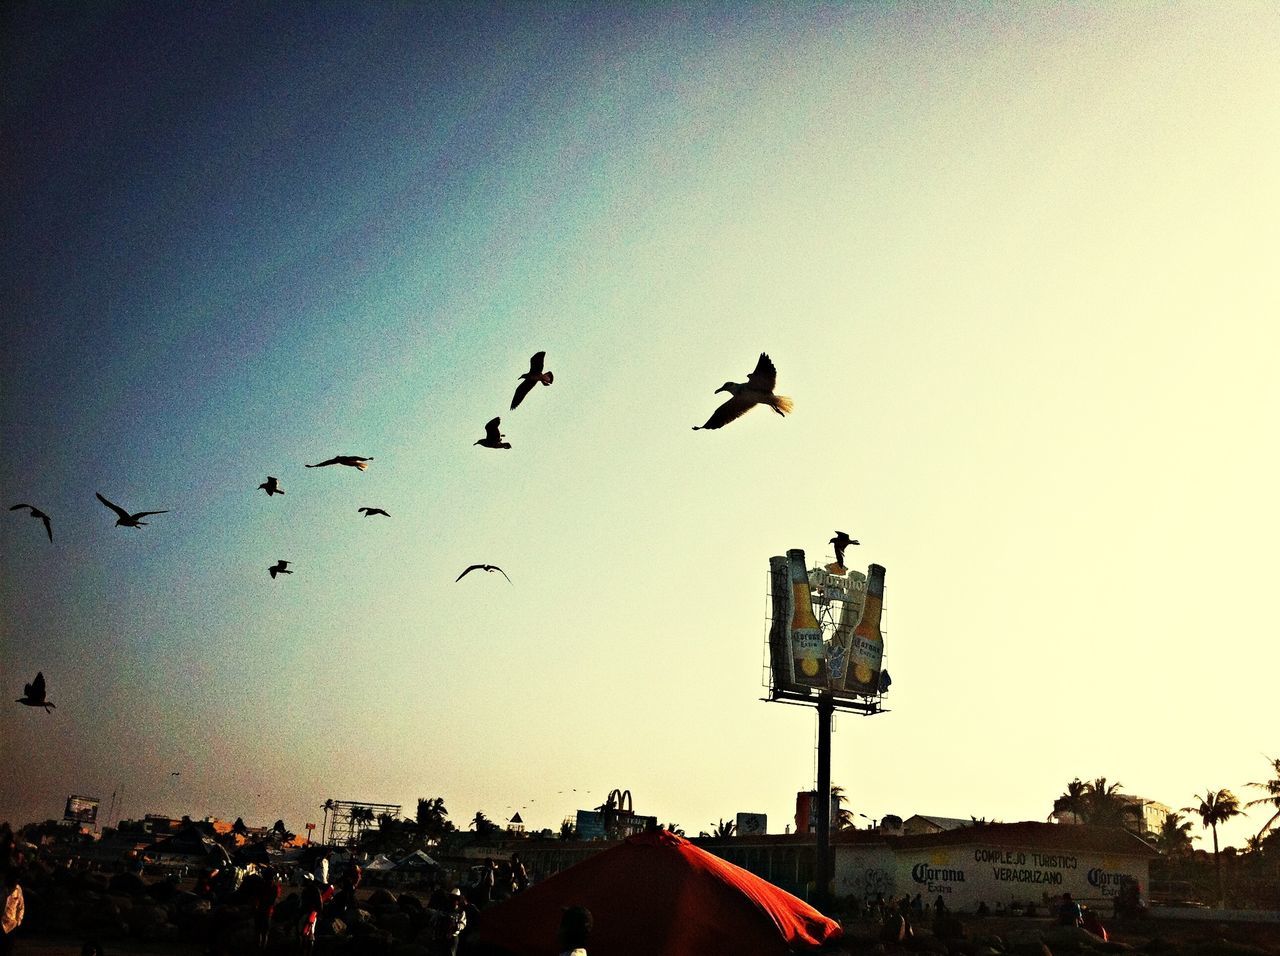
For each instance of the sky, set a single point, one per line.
(1014, 264)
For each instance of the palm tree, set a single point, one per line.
(327, 807)
(1173, 838)
(841, 817)
(1106, 806)
(1272, 799)
(483, 826)
(1216, 808)
(432, 818)
(1072, 801)
(724, 828)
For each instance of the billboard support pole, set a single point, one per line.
(824, 870)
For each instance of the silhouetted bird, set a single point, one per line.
(482, 567)
(176, 773)
(271, 486)
(33, 694)
(280, 567)
(127, 520)
(757, 390)
(492, 437)
(841, 541)
(353, 461)
(532, 378)
(370, 512)
(37, 513)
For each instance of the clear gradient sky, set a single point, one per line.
(1015, 264)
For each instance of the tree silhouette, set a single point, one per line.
(1173, 839)
(725, 828)
(568, 830)
(1272, 799)
(1072, 801)
(483, 826)
(432, 818)
(1100, 804)
(1216, 807)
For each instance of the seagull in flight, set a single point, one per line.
(532, 378)
(492, 437)
(280, 567)
(840, 542)
(271, 486)
(370, 512)
(37, 513)
(756, 390)
(353, 461)
(482, 567)
(126, 520)
(33, 694)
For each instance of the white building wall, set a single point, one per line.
(965, 875)
(968, 874)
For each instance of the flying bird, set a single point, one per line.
(532, 378)
(37, 513)
(33, 694)
(841, 541)
(482, 567)
(176, 773)
(353, 461)
(126, 520)
(370, 512)
(756, 390)
(272, 486)
(280, 567)
(492, 437)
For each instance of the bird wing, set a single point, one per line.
(466, 572)
(281, 563)
(331, 461)
(47, 526)
(765, 377)
(143, 514)
(16, 507)
(503, 573)
(523, 389)
(36, 690)
(491, 432)
(365, 511)
(116, 508)
(735, 407)
(535, 363)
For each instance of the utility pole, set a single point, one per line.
(824, 870)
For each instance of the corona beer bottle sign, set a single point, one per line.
(808, 654)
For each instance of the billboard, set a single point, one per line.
(824, 629)
(751, 824)
(81, 809)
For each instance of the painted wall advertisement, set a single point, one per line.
(993, 874)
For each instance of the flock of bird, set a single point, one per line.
(743, 396)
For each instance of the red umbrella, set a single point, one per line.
(657, 894)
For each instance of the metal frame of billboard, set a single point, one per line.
(779, 612)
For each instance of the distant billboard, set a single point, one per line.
(81, 809)
(824, 631)
(751, 824)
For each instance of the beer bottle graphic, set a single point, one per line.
(863, 673)
(809, 666)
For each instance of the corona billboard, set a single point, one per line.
(824, 629)
(81, 809)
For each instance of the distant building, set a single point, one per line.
(918, 825)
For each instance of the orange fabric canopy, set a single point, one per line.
(657, 894)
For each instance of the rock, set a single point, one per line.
(381, 897)
(331, 926)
